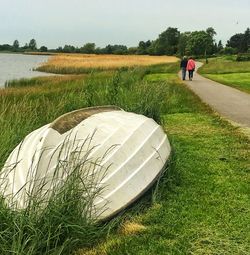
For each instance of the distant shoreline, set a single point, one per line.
(30, 53)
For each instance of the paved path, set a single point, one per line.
(228, 102)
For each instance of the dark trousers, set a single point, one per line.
(183, 71)
(190, 74)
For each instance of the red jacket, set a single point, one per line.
(190, 65)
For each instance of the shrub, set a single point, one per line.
(243, 57)
(229, 51)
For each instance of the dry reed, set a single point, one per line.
(105, 61)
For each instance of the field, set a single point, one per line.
(85, 63)
(200, 205)
(228, 72)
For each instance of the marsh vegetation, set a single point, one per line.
(86, 63)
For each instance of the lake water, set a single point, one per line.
(17, 66)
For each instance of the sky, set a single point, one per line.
(55, 23)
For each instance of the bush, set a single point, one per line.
(243, 57)
(228, 51)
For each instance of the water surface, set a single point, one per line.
(17, 66)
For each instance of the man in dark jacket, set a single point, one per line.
(183, 67)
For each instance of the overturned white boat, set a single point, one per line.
(118, 153)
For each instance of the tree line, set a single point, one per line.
(15, 47)
(169, 42)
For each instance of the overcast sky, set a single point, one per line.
(58, 22)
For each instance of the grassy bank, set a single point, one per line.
(29, 104)
(228, 72)
(239, 81)
(201, 205)
(224, 65)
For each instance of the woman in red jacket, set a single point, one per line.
(190, 68)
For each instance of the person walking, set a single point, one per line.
(190, 68)
(183, 67)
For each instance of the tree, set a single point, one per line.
(247, 40)
(219, 46)
(114, 49)
(215, 48)
(25, 47)
(43, 49)
(167, 42)
(211, 46)
(236, 42)
(88, 48)
(211, 32)
(108, 49)
(229, 50)
(240, 41)
(132, 50)
(201, 42)
(68, 49)
(59, 49)
(198, 43)
(143, 47)
(182, 44)
(15, 45)
(6, 47)
(32, 44)
(152, 48)
(119, 49)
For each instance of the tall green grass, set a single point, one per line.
(56, 220)
(61, 227)
(39, 81)
(68, 70)
(159, 68)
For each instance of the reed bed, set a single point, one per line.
(38, 81)
(85, 63)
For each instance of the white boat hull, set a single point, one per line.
(121, 153)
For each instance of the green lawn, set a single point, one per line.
(201, 204)
(239, 81)
(229, 72)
